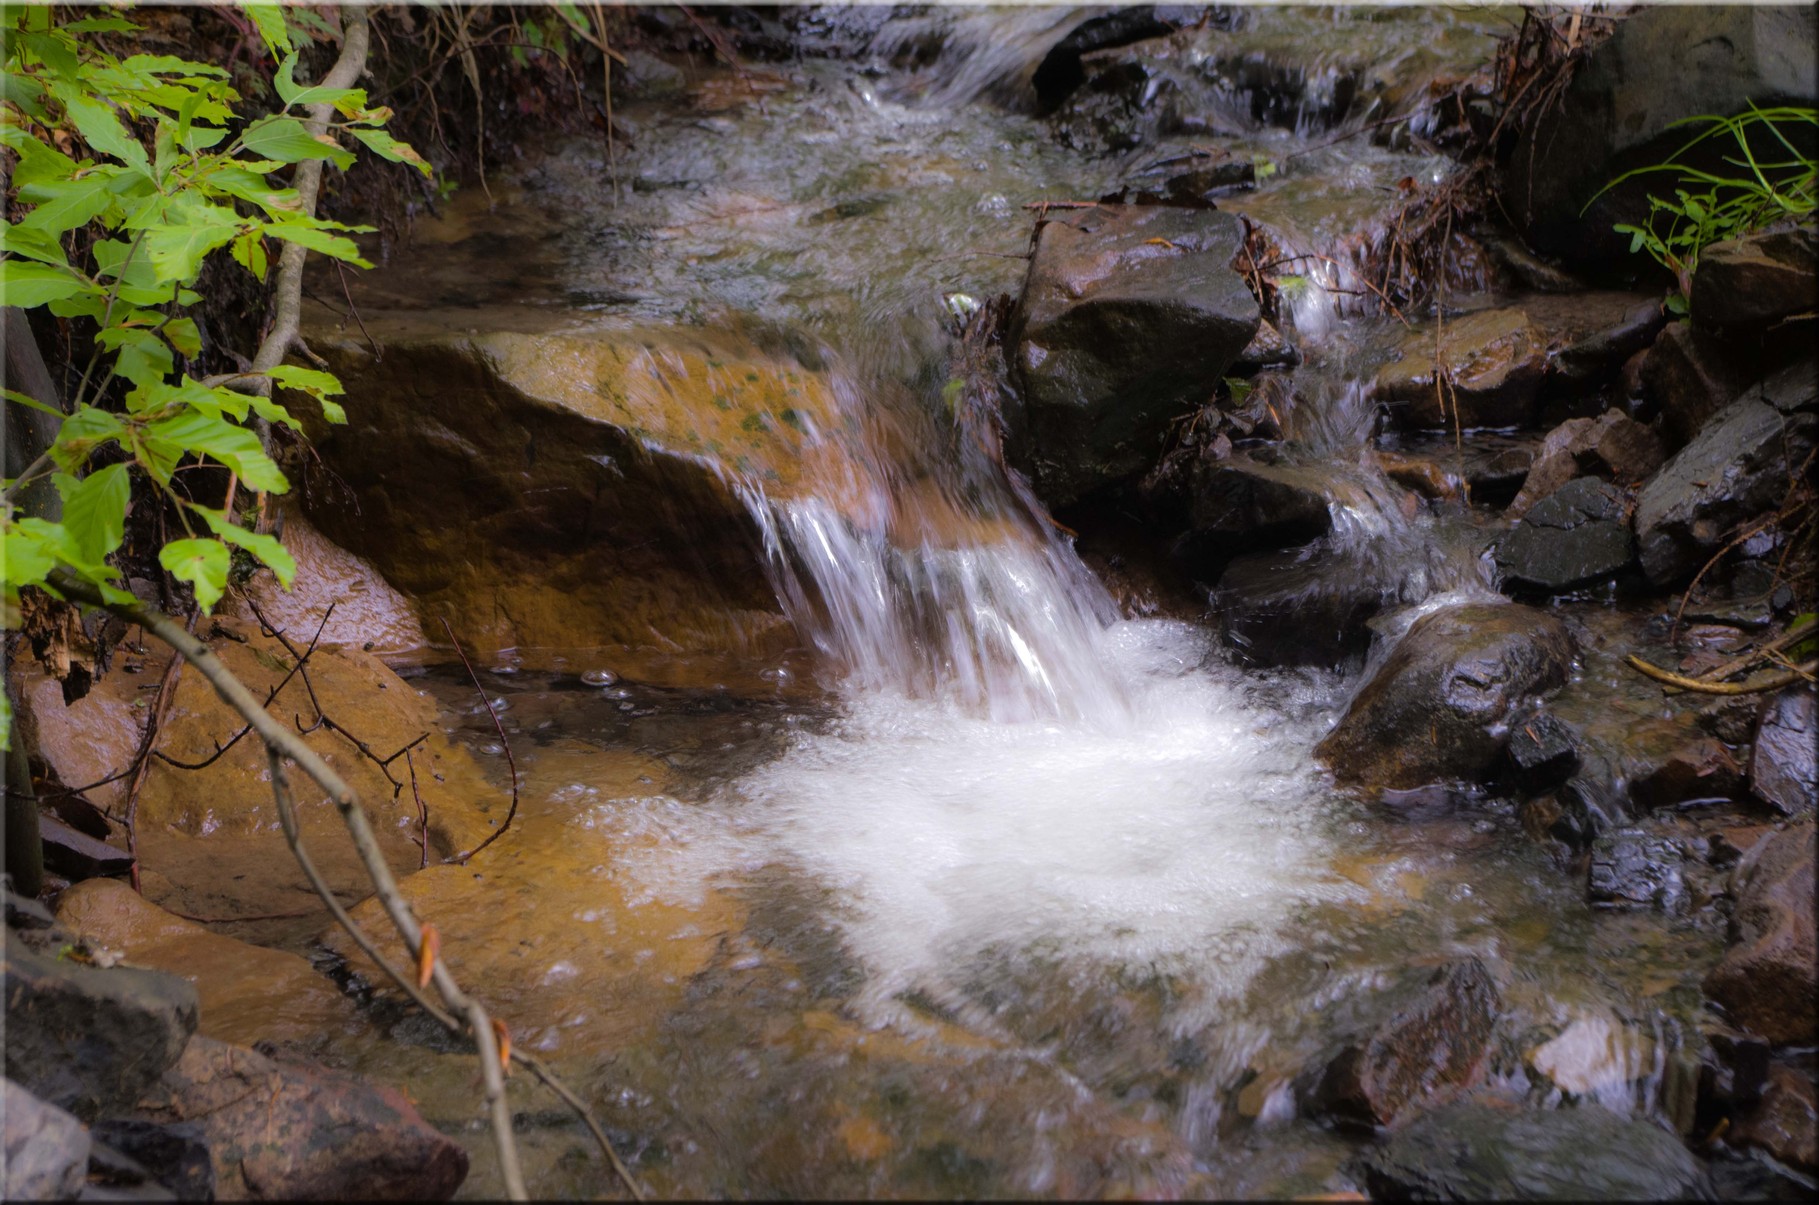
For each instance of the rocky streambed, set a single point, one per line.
(1169, 731)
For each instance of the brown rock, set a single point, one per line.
(248, 994)
(1494, 361)
(1613, 446)
(1781, 760)
(1688, 377)
(1786, 1121)
(293, 1131)
(1766, 981)
(1424, 1055)
(1748, 284)
(1439, 706)
(1668, 764)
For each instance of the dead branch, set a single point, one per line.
(273, 693)
(1704, 686)
(503, 743)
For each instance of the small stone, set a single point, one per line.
(1689, 378)
(1781, 760)
(1543, 751)
(1631, 869)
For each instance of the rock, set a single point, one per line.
(1060, 71)
(231, 798)
(1669, 765)
(368, 613)
(1613, 446)
(1293, 608)
(1479, 1151)
(1766, 981)
(247, 994)
(1746, 285)
(90, 1040)
(176, 1156)
(1688, 376)
(1617, 114)
(1587, 360)
(1425, 1054)
(1542, 750)
(1781, 759)
(1576, 536)
(76, 855)
(1739, 466)
(1494, 360)
(1129, 316)
(292, 1131)
(1267, 349)
(1786, 1121)
(1439, 706)
(570, 494)
(1630, 868)
(1241, 504)
(46, 1149)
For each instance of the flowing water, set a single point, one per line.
(1020, 896)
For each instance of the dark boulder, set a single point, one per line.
(1688, 375)
(294, 1131)
(1302, 607)
(1592, 358)
(46, 1149)
(1577, 536)
(1425, 1053)
(1493, 363)
(1478, 1151)
(1060, 71)
(175, 1156)
(1439, 706)
(1781, 759)
(1129, 316)
(1613, 446)
(1746, 285)
(1663, 64)
(1741, 464)
(1543, 751)
(1766, 982)
(91, 1040)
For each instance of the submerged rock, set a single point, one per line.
(1575, 537)
(288, 1130)
(1439, 706)
(1478, 1151)
(1766, 982)
(1298, 608)
(1781, 768)
(1427, 1052)
(1492, 362)
(1128, 318)
(1630, 868)
(46, 1149)
(1742, 464)
(91, 1040)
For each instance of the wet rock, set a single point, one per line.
(175, 1156)
(1740, 465)
(1493, 359)
(1430, 477)
(1781, 759)
(1613, 446)
(1596, 1057)
(1479, 1151)
(1747, 285)
(76, 855)
(1592, 358)
(1667, 64)
(90, 1040)
(1785, 1123)
(1060, 71)
(549, 492)
(1689, 376)
(1439, 706)
(1542, 750)
(1425, 1054)
(46, 1149)
(1664, 764)
(292, 1131)
(1632, 869)
(1766, 981)
(1129, 316)
(1240, 504)
(231, 797)
(1576, 536)
(1268, 349)
(247, 994)
(1298, 608)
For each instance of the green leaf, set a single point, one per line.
(101, 25)
(66, 204)
(268, 19)
(26, 284)
(94, 510)
(176, 252)
(13, 395)
(272, 412)
(331, 245)
(145, 359)
(184, 336)
(99, 126)
(235, 447)
(202, 563)
(81, 433)
(285, 139)
(296, 95)
(249, 252)
(32, 244)
(38, 162)
(31, 553)
(387, 147)
(269, 551)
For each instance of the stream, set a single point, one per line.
(990, 886)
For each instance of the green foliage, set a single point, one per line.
(148, 155)
(1708, 207)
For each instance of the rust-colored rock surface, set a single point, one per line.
(1766, 982)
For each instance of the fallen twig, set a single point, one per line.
(510, 761)
(1705, 686)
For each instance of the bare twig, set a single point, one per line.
(161, 705)
(504, 744)
(274, 692)
(1705, 686)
